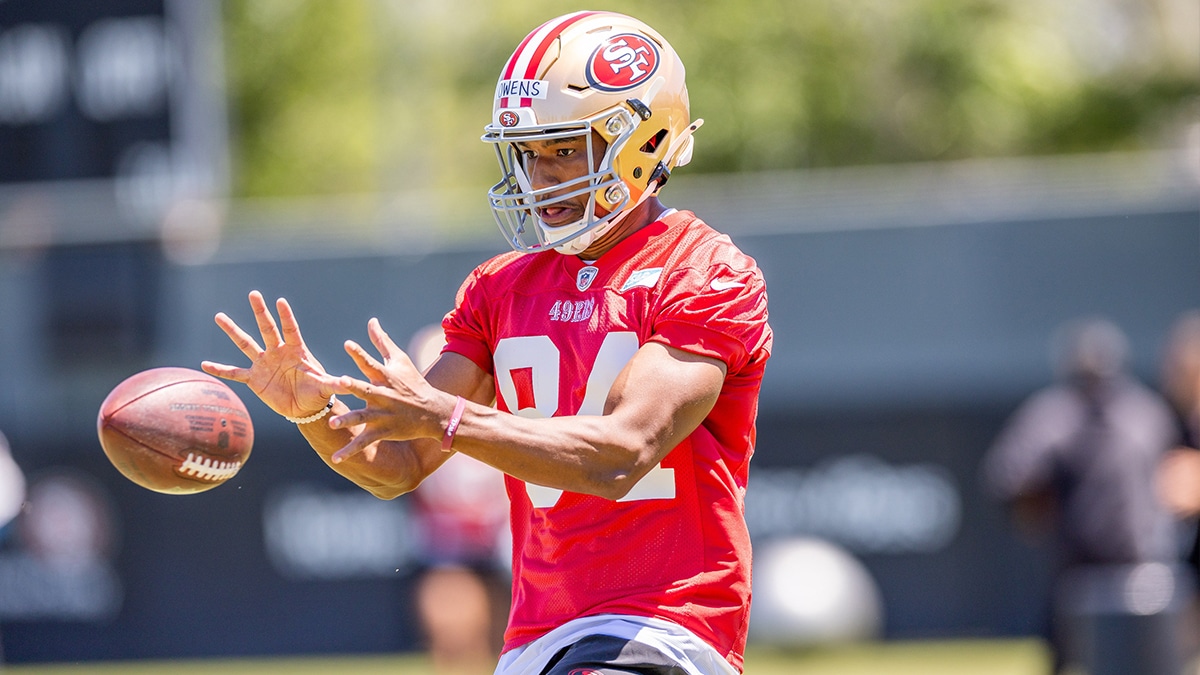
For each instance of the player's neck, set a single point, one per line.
(645, 213)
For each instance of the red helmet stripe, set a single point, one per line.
(535, 59)
(512, 60)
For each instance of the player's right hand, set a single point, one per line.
(283, 372)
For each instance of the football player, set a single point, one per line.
(622, 344)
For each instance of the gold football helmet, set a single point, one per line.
(575, 74)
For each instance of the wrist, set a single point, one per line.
(320, 414)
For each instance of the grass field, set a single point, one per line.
(959, 657)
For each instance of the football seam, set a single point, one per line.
(208, 468)
(205, 470)
(121, 431)
(144, 394)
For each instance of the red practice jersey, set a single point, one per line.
(555, 332)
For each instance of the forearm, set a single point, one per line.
(657, 399)
(387, 469)
(598, 455)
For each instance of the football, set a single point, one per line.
(175, 430)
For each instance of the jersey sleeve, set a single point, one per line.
(465, 326)
(717, 310)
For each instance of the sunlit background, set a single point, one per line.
(930, 186)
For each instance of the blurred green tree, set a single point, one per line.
(382, 95)
(303, 89)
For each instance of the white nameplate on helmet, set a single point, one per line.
(522, 88)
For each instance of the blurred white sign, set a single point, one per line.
(860, 502)
(313, 533)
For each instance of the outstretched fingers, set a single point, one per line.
(370, 366)
(361, 442)
(367, 434)
(241, 339)
(226, 372)
(265, 321)
(352, 387)
(349, 419)
(382, 341)
(288, 323)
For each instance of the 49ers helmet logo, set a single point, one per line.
(622, 62)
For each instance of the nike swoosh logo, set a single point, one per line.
(718, 285)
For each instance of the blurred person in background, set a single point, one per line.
(1082, 457)
(1180, 476)
(461, 513)
(610, 366)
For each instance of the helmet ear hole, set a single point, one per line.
(651, 146)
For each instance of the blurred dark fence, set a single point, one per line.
(912, 309)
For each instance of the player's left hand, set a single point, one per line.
(401, 404)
